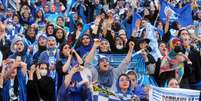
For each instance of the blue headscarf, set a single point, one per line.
(25, 57)
(82, 50)
(124, 96)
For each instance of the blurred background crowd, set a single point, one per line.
(58, 50)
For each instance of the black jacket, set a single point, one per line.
(5, 48)
(41, 89)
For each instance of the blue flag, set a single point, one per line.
(182, 15)
(136, 17)
(129, 27)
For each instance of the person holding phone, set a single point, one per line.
(39, 85)
(19, 49)
(14, 87)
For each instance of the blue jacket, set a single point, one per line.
(76, 93)
(24, 57)
(21, 84)
(139, 91)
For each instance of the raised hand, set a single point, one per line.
(38, 72)
(23, 64)
(98, 19)
(131, 45)
(31, 71)
(97, 43)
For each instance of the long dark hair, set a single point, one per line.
(61, 49)
(43, 18)
(48, 25)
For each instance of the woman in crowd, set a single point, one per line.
(14, 27)
(85, 45)
(14, 88)
(144, 62)
(26, 16)
(30, 35)
(74, 90)
(51, 55)
(104, 47)
(49, 30)
(135, 88)
(40, 20)
(68, 58)
(75, 35)
(161, 72)
(60, 36)
(61, 23)
(104, 74)
(19, 49)
(41, 46)
(124, 91)
(40, 86)
(118, 47)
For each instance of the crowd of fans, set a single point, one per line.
(48, 49)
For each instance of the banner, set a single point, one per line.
(173, 94)
(100, 94)
(182, 15)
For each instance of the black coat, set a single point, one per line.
(41, 89)
(195, 58)
(5, 48)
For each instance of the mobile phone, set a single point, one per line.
(18, 58)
